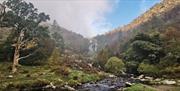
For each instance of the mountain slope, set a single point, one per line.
(159, 17)
(72, 40)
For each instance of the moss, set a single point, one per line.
(72, 82)
(38, 76)
(82, 77)
(140, 87)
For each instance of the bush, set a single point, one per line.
(114, 65)
(131, 67)
(148, 69)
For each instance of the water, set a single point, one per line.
(109, 84)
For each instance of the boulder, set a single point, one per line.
(169, 82)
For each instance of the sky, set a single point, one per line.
(92, 17)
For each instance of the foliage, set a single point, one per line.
(131, 67)
(151, 53)
(114, 65)
(55, 57)
(59, 41)
(148, 69)
(42, 53)
(102, 58)
(30, 39)
(145, 46)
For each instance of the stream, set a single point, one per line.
(108, 84)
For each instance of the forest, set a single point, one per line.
(37, 55)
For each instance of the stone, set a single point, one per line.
(51, 85)
(149, 78)
(157, 79)
(128, 84)
(90, 65)
(169, 82)
(10, 76)
(69, 88)
(111, 76)
(143, 79)
(141, 76)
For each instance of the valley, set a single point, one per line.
(36, 55)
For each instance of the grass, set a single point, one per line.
(32, 76)
(140, 87)
(167, 88)
(82, 77)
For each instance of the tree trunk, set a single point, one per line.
(16, 58)
(16, 52)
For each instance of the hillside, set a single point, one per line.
(36, 55)
(159, 17)
(72, 40)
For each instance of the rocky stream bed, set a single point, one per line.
(108, 84)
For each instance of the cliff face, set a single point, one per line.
(158, 18)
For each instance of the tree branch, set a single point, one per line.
(27, 56)
(23, 42)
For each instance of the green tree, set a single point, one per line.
(115, 65)
(59, 41)
(25, 21)
(102, 57)
(145, 46)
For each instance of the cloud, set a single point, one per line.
(86, 17)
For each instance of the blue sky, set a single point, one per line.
(127, 10)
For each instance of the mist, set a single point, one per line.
(86, 17)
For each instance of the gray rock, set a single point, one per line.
(111, 76)
(51, 85)
(141, 76)
(149, 78)
(69, 88)
(169, 82)
(157, 79)
(128, 84)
